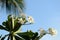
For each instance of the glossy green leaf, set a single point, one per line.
(16, 27)
(26, 35)
(35, 36)
(18, 38)
(8, 25)
(3, 28)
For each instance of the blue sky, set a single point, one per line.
(46, 13)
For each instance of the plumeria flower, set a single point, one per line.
(30, 19)
(21, 20)
(52, 31)
(42, 31)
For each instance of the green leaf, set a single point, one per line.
(17, 38)
(26, 35)
(23, 35)
(35, 36)
(3, 28)
(8, 25)
(29, 35)
(16, 27)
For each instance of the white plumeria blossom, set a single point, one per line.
(42, 31)
(52, 31)
(30, 19)
(21, 20)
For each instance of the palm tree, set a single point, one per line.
(15, 6)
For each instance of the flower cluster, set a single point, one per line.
(22, 19)
(42, 31)
(30, 19)
(52, 31)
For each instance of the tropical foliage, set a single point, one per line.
(13, 24)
